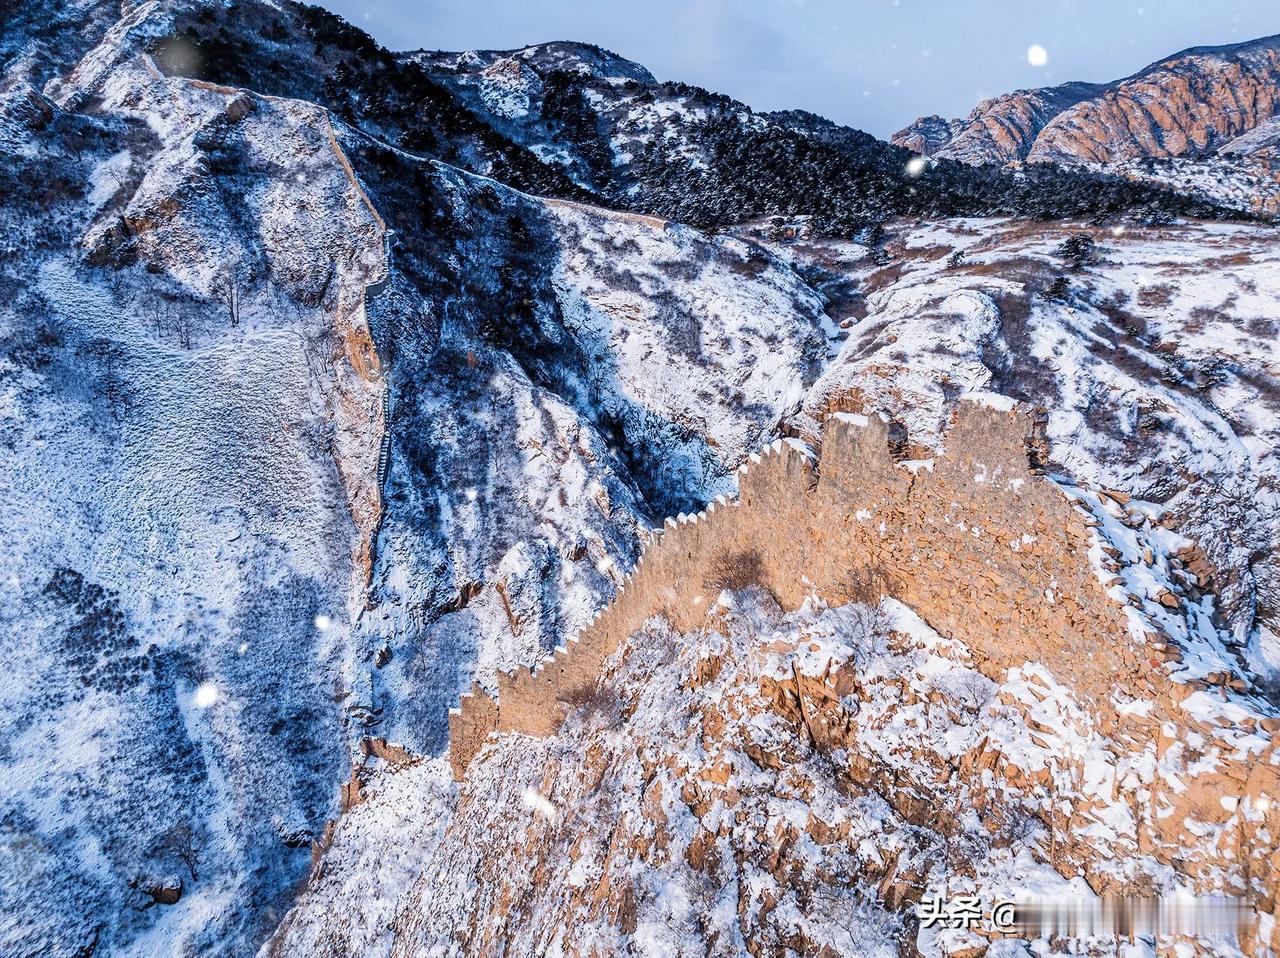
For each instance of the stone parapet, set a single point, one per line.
(985, 548)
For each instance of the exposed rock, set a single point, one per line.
(1160, 125)
(999, 130)
(927, 135)
(1189, 104)
(311, 351)
(164, 890)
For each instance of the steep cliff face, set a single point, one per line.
(301, 433)
(1190, 105)
(999, 130)
(329, 387)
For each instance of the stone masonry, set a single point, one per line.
(983, 547)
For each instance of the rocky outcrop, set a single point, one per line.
(928, 135)
(774, 772)
(997, 557)
(1190, 104)
(1263, 139)
(1187, 105)
(999, 130)
(976, 541)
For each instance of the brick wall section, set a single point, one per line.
(986, 551)
(979, 545)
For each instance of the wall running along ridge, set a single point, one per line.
(981, 547)
(986, 551)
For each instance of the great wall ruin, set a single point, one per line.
(982, 547)
(986, 550)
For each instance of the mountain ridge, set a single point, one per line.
(1172, 121)
(333, 385)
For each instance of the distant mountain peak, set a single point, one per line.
(569, 55)
(1188, 104)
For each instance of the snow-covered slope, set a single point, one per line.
(1155, 359)
(769, 784)
(291, 452)
(327, 387)
(185, 509)
(681, 811)
(640, 363)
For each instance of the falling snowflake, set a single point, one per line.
(539, 804)
(323, 622)
(1037, 55)
(916, 165)
(206, 695)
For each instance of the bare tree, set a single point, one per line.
(863, 584)
(226, 287)
(180, 840)
(183, 324)
(858, 913)
(598, 701)
(735, 570)
(973, 692)
(115, 385)
(157, 315)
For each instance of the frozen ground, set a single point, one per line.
(301, 434)
(253, 515)
(694, 805)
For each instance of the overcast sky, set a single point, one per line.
(873, 64)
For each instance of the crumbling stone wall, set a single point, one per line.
(980, 545)
(987, 551)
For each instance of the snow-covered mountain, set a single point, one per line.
(333, 381)
(293, 452)
(1188, 119)
(999, 130)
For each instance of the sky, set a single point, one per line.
(871, 64)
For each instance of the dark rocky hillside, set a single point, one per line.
(582, 123)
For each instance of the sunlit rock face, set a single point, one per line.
(335, 383)
(999, 130)
(1188, 105)
(1187, 121)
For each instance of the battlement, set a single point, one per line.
(981, 545)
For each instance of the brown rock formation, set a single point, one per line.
(1187, 105)
(987, 552)
(999, 130)
(982, 547)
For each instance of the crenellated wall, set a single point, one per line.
(980, 545)
(987, 551)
